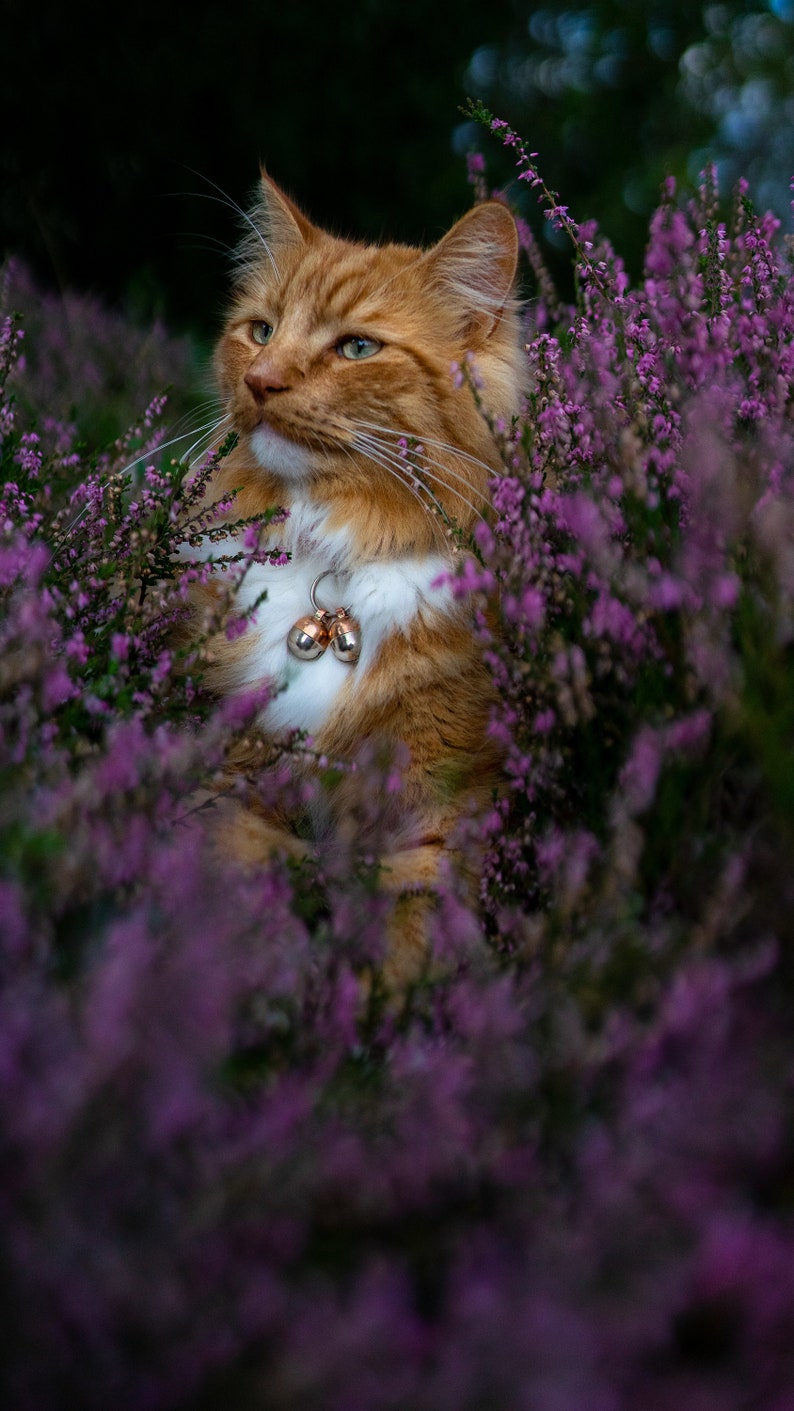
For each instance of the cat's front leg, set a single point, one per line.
(249, 836)
(239, 832)
(415, 877)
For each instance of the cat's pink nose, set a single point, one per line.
(264, 382)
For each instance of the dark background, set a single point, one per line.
(115, 121)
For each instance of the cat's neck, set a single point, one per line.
(333, 517)
(353, 535)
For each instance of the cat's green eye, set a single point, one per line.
(356, 347)
(261, 332)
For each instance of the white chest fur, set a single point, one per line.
(384, 597)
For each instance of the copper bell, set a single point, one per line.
(345, 637)
(308, 639)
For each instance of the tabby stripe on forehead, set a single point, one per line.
(428, 366)
(333, 292)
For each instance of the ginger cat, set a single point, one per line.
(336, 367)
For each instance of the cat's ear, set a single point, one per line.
(475, 266)
(279, 219)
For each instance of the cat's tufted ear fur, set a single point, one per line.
(278, 218)
(474, 265)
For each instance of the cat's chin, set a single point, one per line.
(279, 455)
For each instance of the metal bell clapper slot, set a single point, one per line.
(309, 637)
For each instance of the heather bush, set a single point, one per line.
(87, 367)
(555, 1175)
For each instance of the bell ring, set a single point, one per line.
(309, 637)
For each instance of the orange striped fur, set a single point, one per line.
(333, 356)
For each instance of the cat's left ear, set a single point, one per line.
(281, 221)
(475, 266)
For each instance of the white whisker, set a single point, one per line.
(208, 431)
(207, 437)
(225, 200)
(374, 453)
(201, 409)
(430, 441)
(209, 428)
(402, 471)
(419, 453)
(402, 464)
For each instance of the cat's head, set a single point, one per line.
(338, 357)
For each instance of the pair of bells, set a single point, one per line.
(312, 635)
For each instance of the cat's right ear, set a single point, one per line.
(475, 266)
(278, 218)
